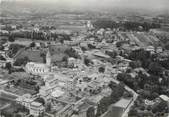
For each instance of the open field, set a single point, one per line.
(135, 39)
(34, 56)
(141, 39)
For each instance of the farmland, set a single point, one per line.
(141, 39)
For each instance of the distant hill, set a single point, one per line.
(21, 6)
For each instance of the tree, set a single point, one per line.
(98, 111)
(48, 107)
(2, 58)
(105, 102)
(40, 100)
(87, 62)
(132, 112)
(83, 49)
(120, 89)
(155, 68)
(101, 69)
(72, 53)
(104, 23)
(18, 115)
(121, 76)
(32, 45)
(120, 43)
(127, 94)
(90, 112)
(21, 61)
(11, 38)
(43, 55)
(117, 91)
(160, 107)
(65, 59)
(6, 113)
(111, 54)
(135, 64)
(167, 46)
(140, 54)
(1, 47)
(91, 46)
(14, 48)
(9, 67)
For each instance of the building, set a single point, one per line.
(39, 68)
(56, 83)
(57, 93)
(89, 25)
(82, 107)
(48, 58)
(35, 108)
(96, 54)
(151, 49)
(67, 111)
(69, 82)
(159, 50)
(75, 63)
(2, 63)
(164, 98)
(46, 91)
(2, 52)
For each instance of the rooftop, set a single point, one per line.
(37, 104)
(164, 97)
(123, 103)
(57, 93)
(100, 54)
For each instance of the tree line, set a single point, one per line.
(126, 26)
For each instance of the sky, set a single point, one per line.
(144, 4)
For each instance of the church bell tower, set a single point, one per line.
(48, 58)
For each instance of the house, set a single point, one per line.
(159, 49)
(2, 63)
(164, 98)
(35, 108)
(25, 100)
(151, 49)
(54, 81)
(46, 91)
(123, 103)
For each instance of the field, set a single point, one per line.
(141, 39)
(22, 41)
(34, 56)
(135, 39)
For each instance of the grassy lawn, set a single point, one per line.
(34, 56)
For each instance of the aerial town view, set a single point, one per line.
(84, 58)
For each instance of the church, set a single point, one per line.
(39, 68)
